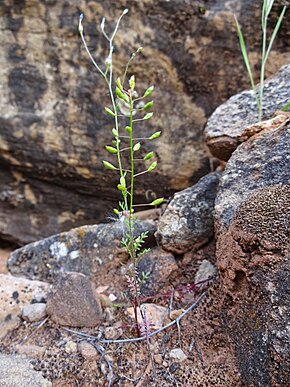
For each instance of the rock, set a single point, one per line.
(253, 256)
(156, 269)
(17, 371)
(236, 120)
(261, 161)
(87, 350)
(70, 347)
(30, 350)
(53, 128)
(73, 302)
(113, 332)
(177, 354)
(187, 222)
(34, 312)
(4, 254)
(205, 271)
(16, 293)
(86, 249)
(156, 313)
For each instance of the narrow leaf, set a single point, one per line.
(285, 107)
(148, 156)
(110, 149)
(136, 147)
(156, 202)
(148, 91)
(109, 112)
(109, 165)
(152, 166)
(154, 135)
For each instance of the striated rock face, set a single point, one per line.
(236, 120)
(254, 259)
(52, 126)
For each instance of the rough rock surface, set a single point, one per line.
(253, 256)
(73, 302)
(52, 125)
(16, 371)
(86, 249)
(34, 312)
(16, 293)
(188, 222)
(261, 161)
(233, 122)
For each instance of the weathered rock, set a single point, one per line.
(236, 120)
(34, 312)
(17, 371)
(30, 350)
(52, 125)
(177, 354)
(261, 161)
(73, 302)
(156, 313)
(205, 271)
(157, 268)
(187, 222)
(15, 293)
(253, 256)
(87, 350)
(86, 249)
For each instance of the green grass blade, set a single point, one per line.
(276, 29)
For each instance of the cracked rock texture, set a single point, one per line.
(232, 122)
(52, 125)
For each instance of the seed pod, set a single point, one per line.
(156, 202)
(148, 156)
(119, 84)
(109, 112)
(148, 91)
(148, 116)
(152, 166)
(148, 105)
(154, 135)
(121, 188)
(132, 82)
(121, 95)
(122, 181)
(109, 165)
(110, 149)
(116, 211)
(136, 147)
(128, 129)
(115, 132)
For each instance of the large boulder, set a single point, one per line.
(52, 125)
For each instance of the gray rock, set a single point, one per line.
(53, 128)
(16, 371)
(73, 302)
(177, 354)
(232, 122)
(85, 249)
(261, 161)
(187, 222)
(206, 270)
(34, 312)
(253, 257)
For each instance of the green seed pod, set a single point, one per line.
(122, 181)
(116, 211)
(128, 129)
(109, 112)
(154, 135)
(119, 84)
(115, 132)
(121, 95)
(136, 147)
(109, 165)
(132, 82)
(156, 202)
(148, 156)
(152, 166)
(148, 105)
(148, 91)
(148, 116)
(110, 149)
(121, 188)
(140, 49)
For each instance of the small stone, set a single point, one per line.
(205, 271)
(113, 333)
(156, 313)
(112, 297)
(70, 347)
(34, 312)
(174, 314)
(87, 350)
(177, 354)
(73, 302)
(158, 358)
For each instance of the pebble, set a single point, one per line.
(34, 312)
(70, 347)
(177, 354)
(87, 350)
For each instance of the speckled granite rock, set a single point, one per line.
(16, 371)
(253, 257)
(187, 222)
(231, 122)
(73, 302)
(87, 249)
(16, 293)
(261, 161)
(52, 125)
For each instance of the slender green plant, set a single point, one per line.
(266, 49)
(126, 104)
